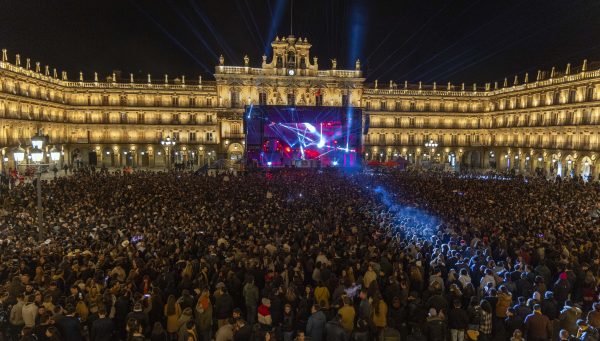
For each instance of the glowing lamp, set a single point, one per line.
(37, 142)
(19, 154)
(37, 155)
(269, 163)
(335, 163)
(54, 154)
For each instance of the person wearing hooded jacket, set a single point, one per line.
(315, 326)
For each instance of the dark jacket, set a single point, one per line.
(550, 308)
(316, 326)
(223, 306)
(103, 329)
(70, 328)
(512, 323)
(335, 331)
(568, 319)
(142, 319)
(458, 319)
(537, 327)
(435, 329)
(522, 310)
(243, 334)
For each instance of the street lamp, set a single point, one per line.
(37, 155)
(168, 143)
(18, 155)
(54, 154)
(431, 144)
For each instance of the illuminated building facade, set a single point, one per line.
(550, 122)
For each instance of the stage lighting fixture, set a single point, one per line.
(335, 163)
(269, 163)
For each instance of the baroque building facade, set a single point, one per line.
(549, 124)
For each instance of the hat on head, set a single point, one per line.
(266, 301)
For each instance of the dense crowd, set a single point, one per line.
(300, 255)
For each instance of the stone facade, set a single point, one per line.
(551, 123)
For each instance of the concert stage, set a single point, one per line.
(280, 136)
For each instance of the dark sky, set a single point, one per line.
(470, 41)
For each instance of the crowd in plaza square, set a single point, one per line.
(301, 255)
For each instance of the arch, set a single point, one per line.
(235, 151)
(586, 167)
(570, 166)
(475, 159)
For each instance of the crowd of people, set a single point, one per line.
(300, 255)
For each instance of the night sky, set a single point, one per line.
(459, 41)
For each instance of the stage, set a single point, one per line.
(303, 137)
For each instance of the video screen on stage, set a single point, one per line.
(278, 136)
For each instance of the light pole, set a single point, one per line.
(167, 143)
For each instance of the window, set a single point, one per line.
(209, 102)
(398, 106)
(141, 118)
(412, 121)
(123, 117)
(319, 100)
(175, 119)
(586, 117)
(262, 98)
(413, 106)
(192, 136)
(89, 100)
(157, 101)
(209, 119)
(175, 101)
(411, 139)
(235, 129)
(397, 121)
(291, 99)
(396, 138)
(104, 99)
(235, 99)
(192, 101)
(381, 138)
(176, 135)
(572, 96)
(123, 100)
(383, 105)
(368, 105)
(209, 136)
(556, 97)
(193, 119)
(590, 94)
